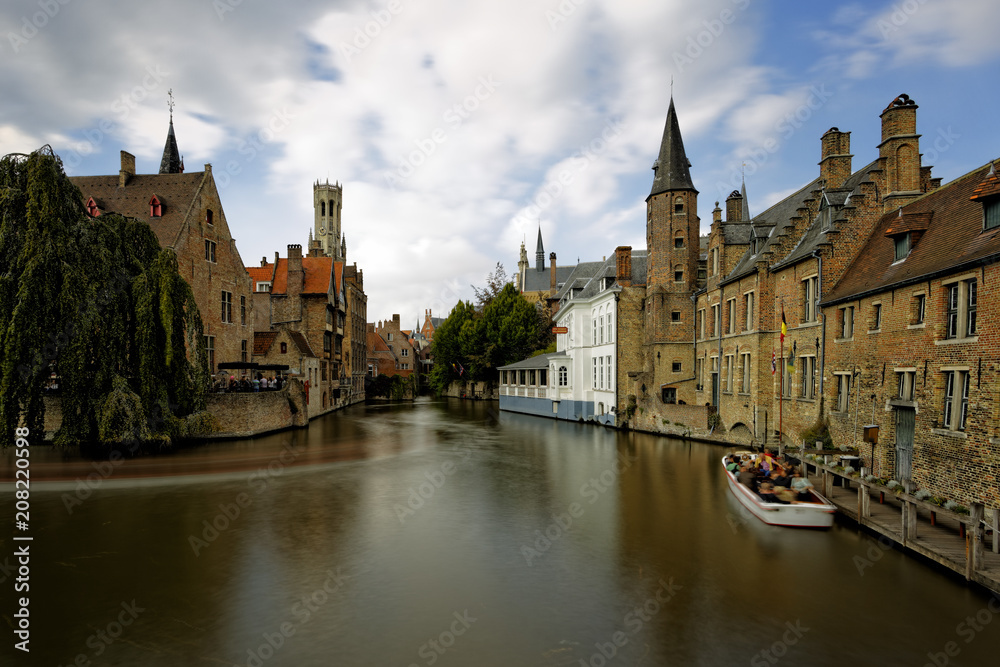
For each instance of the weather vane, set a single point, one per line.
(170, 103)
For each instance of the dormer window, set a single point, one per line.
(155, 207)
(209, 217)
(92, 210)
(991, 214)
(902, 245)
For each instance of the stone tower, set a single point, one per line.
(327, 202)
(672, 239)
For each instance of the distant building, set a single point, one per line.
(290, 348)
(397, 340)
(185, 212)
(429, 325)
(539, 284)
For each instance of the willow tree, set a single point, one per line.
(99, 302)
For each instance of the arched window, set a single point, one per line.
(563, 376)
(331, 207)
(679, 273)
(610, 328)
(92, 209)
(155, 207)
(322, 208)
(679, 205)
(679, 240)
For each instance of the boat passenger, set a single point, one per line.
(801, 486)
(780, 478)
(747, 478)
(732, 466)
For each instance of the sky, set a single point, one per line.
(458, 128)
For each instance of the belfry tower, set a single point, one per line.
(327, 202)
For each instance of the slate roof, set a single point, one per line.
(952, 216)
(536, 362)
(736, 233)
(175, 192)
(170, 163)
(580, 278)
(672, 168)
(535, 280)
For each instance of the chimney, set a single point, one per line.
(552, 274)
(623, 265)
(900, 151)
(734, 206)
(835, 158)
(128, 169)
(716, 214)
(263, 260)
(296, 276)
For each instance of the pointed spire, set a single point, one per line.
(671, 169)
(539, 251)
(170, 163)
(746, 205)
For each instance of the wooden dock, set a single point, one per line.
(962, 543)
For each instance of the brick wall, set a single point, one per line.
(247, 414)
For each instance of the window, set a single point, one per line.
(607, 365)
(675, 316)
(563, 376)
(843, 391)
(155, 207)
(404, 352)
(243, 310)
(716, 320)
(322, 207)
(243, 351)
(679, 205)
(731, 308)
(808, 366)
(209, 217)
(679, 241)
(543, 379)
(227, 306)
(809, 293)
(531, 377)
(786, 376)
(902, 245)
(92, 209)
(746, 373)
(748, 304)
(594, 362)
(668, 395)
(609, 337)
(600, 371)
(961, 311)
(876, 322)
(371, 370)
(846, 317)
(956, 400)
(715, 261)
(991, 214)
(678, 273)
(209, 251)
(701, 323)
(522, 377)
(210, 350)
(730, 362)
(675, 367)
(919, 309)
(699, 373)
(284, 348)
(322, 371)
(904, 385)
(328, 341)
(600, 328)
(263, 287)
(389, 336)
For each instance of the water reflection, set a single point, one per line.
(445, 533)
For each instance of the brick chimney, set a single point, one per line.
(900, 152)
(734, 206)
(623, 265)
(395, 321)
(552, 274)
(296, 276)
(263, 260)
(716, 214)
(127, 170)
(835, 157)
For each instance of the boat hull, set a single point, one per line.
(817, 514)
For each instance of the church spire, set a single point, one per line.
(745, 216)
(539, 252)
(170, 163)
(672, 168)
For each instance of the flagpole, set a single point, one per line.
(781, 386)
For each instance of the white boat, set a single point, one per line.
(817, 512)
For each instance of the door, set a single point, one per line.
(905, 419)
(715, 389)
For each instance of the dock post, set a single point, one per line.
(904, 518)
(996, 530)
(974, 540)
(864, 502)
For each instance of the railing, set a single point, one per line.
(524, 391)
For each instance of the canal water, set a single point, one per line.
(444, 533)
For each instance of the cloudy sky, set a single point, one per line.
(457, 127)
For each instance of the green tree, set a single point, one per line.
(100, 303)
(447, 349)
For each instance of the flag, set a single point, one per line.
(461, 371)
(774, 363)
(784, 325)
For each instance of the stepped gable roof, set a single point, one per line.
(951, 221)
(535, 281)
(672, 170)
(533, 363)
(816, 233)
(262, 341)
(175, 192)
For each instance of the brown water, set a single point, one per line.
(416, 535)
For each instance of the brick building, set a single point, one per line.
(404, 358)
(430, 324)
(185, 212)
(290, 348)
(539, 284)
(355, 337)
(380, 359)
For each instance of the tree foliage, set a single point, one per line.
(98, 302)
(472, 342)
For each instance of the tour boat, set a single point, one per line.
(817, 512)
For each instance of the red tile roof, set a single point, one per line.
(953, 236)
(317, 270)
(262, 341)
(261, 273)
(376, 344)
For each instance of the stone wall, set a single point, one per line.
(241, 415)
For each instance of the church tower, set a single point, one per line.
(672, 240)
(171, 162)
(327, 202)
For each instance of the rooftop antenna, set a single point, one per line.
(170, 103)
